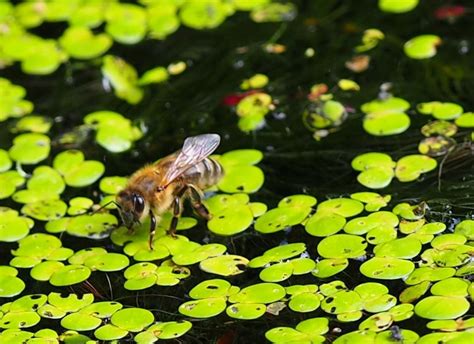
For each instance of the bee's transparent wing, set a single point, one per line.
(195, 149)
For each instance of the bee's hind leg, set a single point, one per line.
(196, 202)
(152, 230)
(176, 212)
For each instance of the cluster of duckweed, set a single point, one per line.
(409, 266)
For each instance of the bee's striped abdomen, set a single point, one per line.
(205, 174)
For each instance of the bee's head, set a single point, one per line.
(131, 207)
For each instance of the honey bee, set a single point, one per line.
(157, 188)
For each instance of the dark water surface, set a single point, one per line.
(294, 162)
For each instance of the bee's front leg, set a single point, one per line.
(197, 204)
(152, 230)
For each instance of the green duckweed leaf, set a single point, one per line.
(277, 272)
(132, 319)
(394, 6)
(210, 288)
(112, 185)
(80, 322)
(304, 302)
(69, 275)
(422, 47)
(44, 270)
(342, 246)
(109, 332)
(286, 335)
(27, 303)
(330, 267)
(377, 322)
(298, 201)
(71, 302)
(76, 171)
(370, 160)
(413, 293)
(410, 167)
(442, 307)
(103, 309)
(204, 308)
(451, 287)
(79, 42)
(199, 254)
(169, 329)
(5, 162)
(259, 293)
(32, 123)
(10, 180)
(384, 124)
(10, 285)
(386, 268)
(324, 224)
(246, 311)
(226, 265)
(373, 201)
(466, 228)
(30, 148)
(46, 179)
(241, 178)
(466, 120)
(280, 218)
(123, 77)
(345, 301)
(205, 14)
(406, 248)
(429, 274)
(12, 226)
(277, 254)
(45, 210)
(231, 221)
(345, 207)
(154, 76)
(126, 23)
(19, 320)
(107, 262)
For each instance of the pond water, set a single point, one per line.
(312, 43)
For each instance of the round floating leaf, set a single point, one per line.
(70, 303)
(345, 207)
(286, 335)
(384, 124)
(396, 6)
(429, 274)
(107, 262)
(345, 301)
(451, 287)
(231, 220)
(112, 185)
(132, 319)
(466, 228)
(69, 275)
(324, 224)
(377, 322)
(277, 272)
(103, 309)
(342, 246)
(10, 180)
(203, 14)
(79, 42)
(279, 218)
(277, 254)
(110, 332)
(227, 265)
(410, 167)
(466, 120)
(447, 111)
(241, 178)
(386, 105)
(399, 248)
(10, 285)
(422, 47)
(76, 171)
(304, 302)
(46, 179)
(19, 320)
(30, 148)
(297, 201)
(80, 322)
(44, 270)
(5, 162)
(372, 160)
(439, 127)
(241, 157)
(205, 308)
(442, 307)
(169, 329)
(210, 288)
(45, 210)
(126, 23)
(199, 254)
(386, 268)
(414, 292)
(12, 226)
(246, 311)
(92, 226)
(376, 177)
(329, 267)
(259, 293)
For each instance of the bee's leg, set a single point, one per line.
(176, 212)
(197, 204)
(152, 230)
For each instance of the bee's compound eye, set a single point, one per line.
(138, 203)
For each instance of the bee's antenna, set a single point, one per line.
(88, 212)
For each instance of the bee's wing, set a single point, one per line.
(195, 149)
